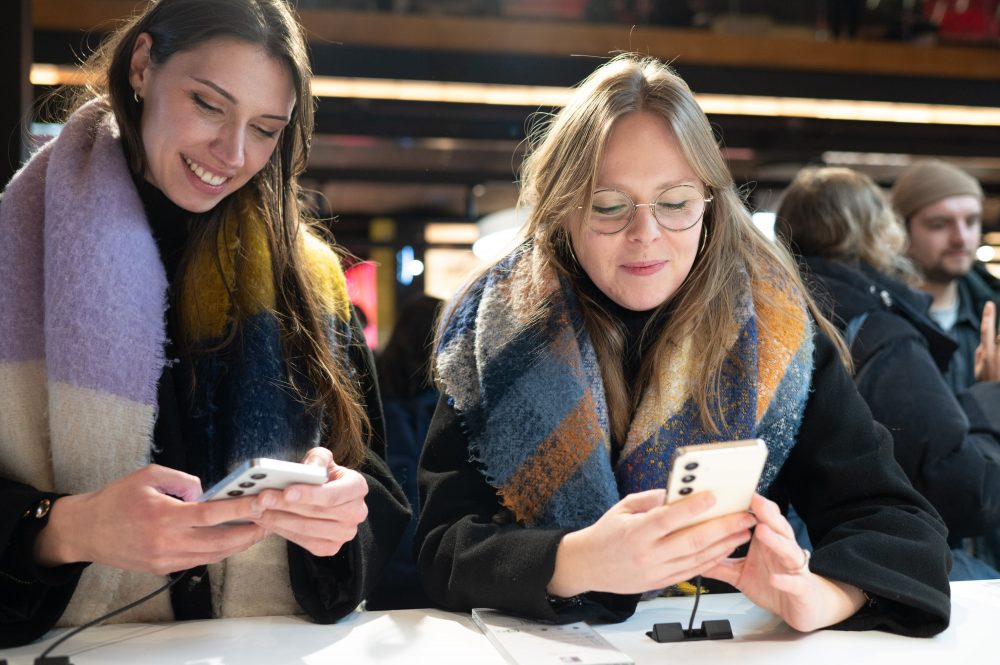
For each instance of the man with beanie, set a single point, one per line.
(942, 208)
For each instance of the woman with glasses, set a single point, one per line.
(644, 312)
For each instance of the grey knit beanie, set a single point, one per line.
(929, 181)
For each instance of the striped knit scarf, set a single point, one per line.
(530, 396)
(82, 334)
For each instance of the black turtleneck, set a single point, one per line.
(170, 225)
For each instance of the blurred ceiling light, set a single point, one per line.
(765, 222)
(450, 233)
(865, 158)
(498, 233)
(986, 253)
(843, 109)
(42, 74)
(551, 96)
(439, 91)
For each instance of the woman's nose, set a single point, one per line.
(229, 146)
(644, 226)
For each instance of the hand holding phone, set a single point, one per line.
(731, 470)
(261, 473)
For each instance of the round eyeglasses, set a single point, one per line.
(676, 208)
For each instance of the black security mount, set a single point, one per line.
(717, 629)
(53, 660)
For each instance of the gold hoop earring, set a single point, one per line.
(136, 97)
(704, 237)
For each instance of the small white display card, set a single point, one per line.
(522, 641)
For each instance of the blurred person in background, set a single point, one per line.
(850, 245)
(408, 400)
(942, 209)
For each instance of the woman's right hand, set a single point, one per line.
(147, 521)
(640, 544)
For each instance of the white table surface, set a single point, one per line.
(436, 637)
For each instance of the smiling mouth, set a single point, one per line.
(206, 177)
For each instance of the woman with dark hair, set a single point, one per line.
(851, 245)
(173, 187)
(644, 312)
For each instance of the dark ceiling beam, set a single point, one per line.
(458, 34)
(486, 35)
(425, 176)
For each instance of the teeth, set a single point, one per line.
(206, 176)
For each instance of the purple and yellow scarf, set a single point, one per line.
(82, 334)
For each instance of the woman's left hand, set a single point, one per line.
(320, 518)
(775, 575)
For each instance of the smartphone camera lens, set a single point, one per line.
(247, 484)
(686, 479)
(690, 466)
(685, 491)
(234, 493)
(259, 476)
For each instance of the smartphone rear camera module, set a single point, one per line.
(690, 466)
(684, 491)
(246, 484)
(259, 476)
(234, 493)
(688, 478)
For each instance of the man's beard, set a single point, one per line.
(939, 274)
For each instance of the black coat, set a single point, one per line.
(948, 446)
(870, 527)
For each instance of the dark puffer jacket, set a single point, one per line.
(948, 445)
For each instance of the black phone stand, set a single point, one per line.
(717, 629)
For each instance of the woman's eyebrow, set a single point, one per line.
(225, 93)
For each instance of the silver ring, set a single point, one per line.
(804, 568)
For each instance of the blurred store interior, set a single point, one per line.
(423, 106)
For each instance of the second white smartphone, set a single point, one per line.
(730, 469)
(261, 473)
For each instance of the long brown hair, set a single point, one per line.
(319, 378)
(841, 213)
(559, 176)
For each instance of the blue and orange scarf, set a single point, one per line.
(530, 397)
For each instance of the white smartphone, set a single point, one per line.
(262, 473)
(730, 469)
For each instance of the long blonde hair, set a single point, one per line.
(559, 176)
(841, 213)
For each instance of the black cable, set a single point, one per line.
(44, 659)
(697, 597)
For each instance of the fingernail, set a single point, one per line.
(255, 508)
(293, 495)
